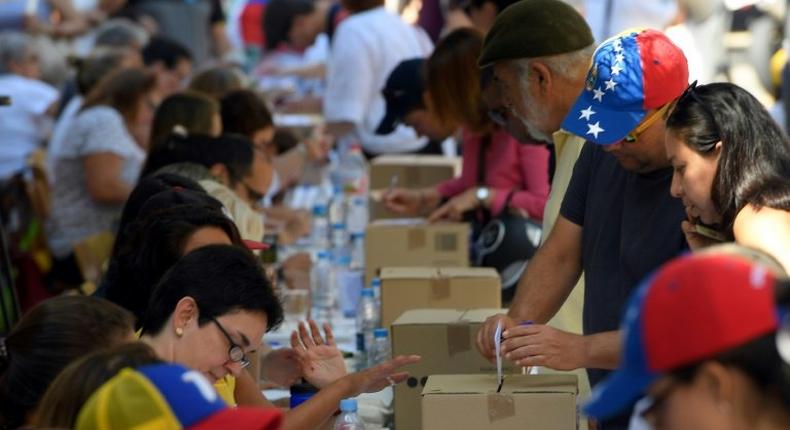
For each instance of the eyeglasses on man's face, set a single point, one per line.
(235, 352)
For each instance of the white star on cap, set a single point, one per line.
(616, 69)
(587, 113)
(610, 84)
(594, 129)
(619, 58)
(598, 94)
(618, 46)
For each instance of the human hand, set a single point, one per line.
(454, 209)
(281, 367)
(485, 336)
(321, 361)
(403, 201)
(542, 345)
(376, 378)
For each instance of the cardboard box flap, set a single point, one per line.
(480, 315)
(468, 272)
(487, 384)
(408, 273)
(429, 316)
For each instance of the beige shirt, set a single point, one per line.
(569, 318)
(248, 221)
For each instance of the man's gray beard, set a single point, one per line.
(532, 129)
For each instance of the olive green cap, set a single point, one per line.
(535, 28)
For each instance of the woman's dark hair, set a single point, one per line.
(217, 81)
(279, 18)
(156, 241)
(49, 337)
(91, 70)
(167, 51)
(453, 81)
(191, 110)
(760, 361)
(235, 152)
(64, 398)
(122, 90)
(221, 279)
(244, 112)
(754, 163)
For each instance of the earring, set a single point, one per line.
(179, 331)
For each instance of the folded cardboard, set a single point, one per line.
(525, 402)
(407, 288)
(445, 339)
(408, 171)
(405, 243)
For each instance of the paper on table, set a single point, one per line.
(498, 350)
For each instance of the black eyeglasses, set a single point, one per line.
(691, 91)
(235, 353)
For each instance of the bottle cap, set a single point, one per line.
(375, 282)
(323, 255)
(367, 292)
(380, 332)
(348, 405)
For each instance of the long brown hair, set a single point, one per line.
(190, 109)
(76, 383)
(453, 81)
(121, 90)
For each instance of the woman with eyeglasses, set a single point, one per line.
(703, 342)
(731, 169)
(499, 173)
(210, 312)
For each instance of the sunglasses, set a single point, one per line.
(641, 128)
(691, 92)
(235, 353)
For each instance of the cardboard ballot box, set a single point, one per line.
(407, 288)
(526, 402)
(407, 171)
(405, 243)
(445, 339)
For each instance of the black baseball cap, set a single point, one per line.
(402, 92)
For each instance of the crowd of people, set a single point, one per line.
(150, 127)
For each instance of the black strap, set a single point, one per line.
(485, 142)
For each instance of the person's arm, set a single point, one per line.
(766, 229)
(542, 345)
(103, 178)
(534, 164)
(248, 393)
(349, 82)
(222, 45)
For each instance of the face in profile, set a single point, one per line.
(520, 103)
(425, 123)
(692, 177)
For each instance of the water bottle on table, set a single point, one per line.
(381, 346)
(367, 321)
(320, 229)
(348, 419)
(321, 288)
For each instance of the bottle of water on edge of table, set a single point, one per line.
(367, 321)
(381, 346)
(375, 285)
(321, 288)
(320, 229)
(357, 213)
(348, 419)
(357, 251)
(340, 242)
(338, 205)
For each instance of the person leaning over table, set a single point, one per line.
(195, 319)
(617, 221)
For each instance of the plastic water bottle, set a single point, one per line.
(381, 346)
(367, 321)
(348, 419)
(357, 213)
(320, 230)
(375, 285)
(339, 236)
(357, 251)
(321, 288)
(337, 206)
(347, 284)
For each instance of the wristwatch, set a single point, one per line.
(482, 195)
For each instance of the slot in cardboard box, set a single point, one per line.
(526, 402)
(412, 171)
(445, 339)
(414, 243)
(407, 288)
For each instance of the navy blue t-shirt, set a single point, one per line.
(631, 225)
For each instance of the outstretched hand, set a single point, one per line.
(320, 359)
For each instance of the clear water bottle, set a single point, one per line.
(375, 285)
(381, 346)
(340, 263)
(357, 213)
(357, 251)
(356, 167)
(348, 419)
(337, 206)
(367, 321)
(320, 229)
(323, 298)
(339, 236)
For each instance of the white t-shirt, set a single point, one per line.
(62, 126)
(366, 47)
(24, 125)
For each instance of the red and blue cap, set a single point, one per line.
(632, 73)
(692, 309)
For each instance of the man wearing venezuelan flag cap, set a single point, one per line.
(618, 221)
